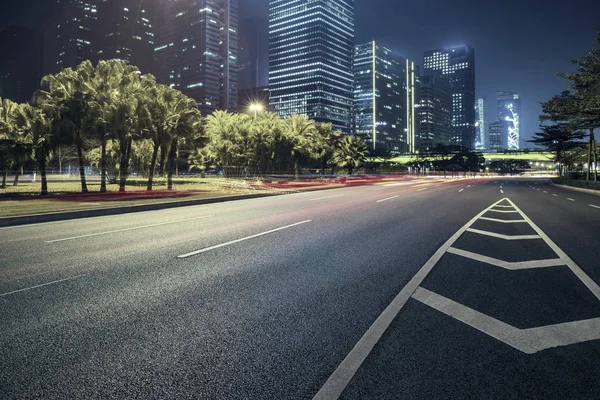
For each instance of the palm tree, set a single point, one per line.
(350, 153)
(299, 129)
(223, 140)
(323, 143)
(8, 132)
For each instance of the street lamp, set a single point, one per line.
(256, 108)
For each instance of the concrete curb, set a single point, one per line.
(576, 189)
(101, 212)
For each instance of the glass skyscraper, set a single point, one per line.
(509, 112)
(435, 111)
(385, 95)
(457, 64)
(197, 51)
(480, 136)
(310, 59)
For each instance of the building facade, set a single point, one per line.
(481, 142)
(254, 53)
(21, 63)
(385, 98)
(73, 35)
(197, 51)
(457, 64)
(126, 32)
(509, 112)
(497, 136)
(311, 43)
(435, 111)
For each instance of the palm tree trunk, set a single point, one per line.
(296, 170)
(42, 164)
(4, 177)
(103, 166)
(163, 158)
(17, 174)
(84, 188)
(171, 163)
(595, 161)
(589, 163)
(152, 166)
(124, 164)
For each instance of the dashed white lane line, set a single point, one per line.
(126, 229)
(501, 191)
(42, 285)
(194, 253)
(341, 377)
(554, 194)
(570, 199)
(327, 197)
(461, 190)
(545, 192)
(420, 190)
(389, 198)
(591, 205)
(513, 266)
(505, 237)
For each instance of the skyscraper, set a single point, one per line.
(509, 112)
(254, 53)
(126, 32)
(20, 63)
(310, 59)
(435, 111)
(497, 133)
(385, 95)
(458, 65)
(72, 36)
(197, 51)
(480, 136)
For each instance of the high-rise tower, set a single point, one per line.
(509, 112)
(310, 59)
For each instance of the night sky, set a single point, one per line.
(520, 45)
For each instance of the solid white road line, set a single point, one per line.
(341, 377)
(194, 253)
(505, 211)
(570, 199)
(591, 205)
(43, 284)
(556, 262)
(505, 237)
(587, 281)
(389, 198)
(503, 221)
(126, 229)
(529, 341)
(328, 197)
(502, 206)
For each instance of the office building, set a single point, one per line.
(197, 51)
(435, 111)
(72, 37)
(21, 63)
(254, 53)
(457, 64)
(498, 136)
(126, 32)
(385, 98)
(509, 111)
(311, 43)
(480, 136)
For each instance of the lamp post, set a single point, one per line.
(256, 108)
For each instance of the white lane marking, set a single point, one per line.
(468, 186)
(570, 199)
(501, 191)
(328, 197)
(341, 377)
(555, 195)
(591, 205)
(194, 253)
(420, 190)
(587, 281)
(545, 192)
(126, 229)
(389, 198)
(42, 285)
(502, 206)
(556, 262)
(505, 237)
(505, 211)
(503, 221)
(529, 341)
(460, 190)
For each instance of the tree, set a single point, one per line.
(323, 143)
(558, 138)
(350, 153)
(8, 133)
(299, 130)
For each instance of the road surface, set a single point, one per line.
(420, 289)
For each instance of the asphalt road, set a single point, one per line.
(449, 289)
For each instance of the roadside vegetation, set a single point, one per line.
(113, 118)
